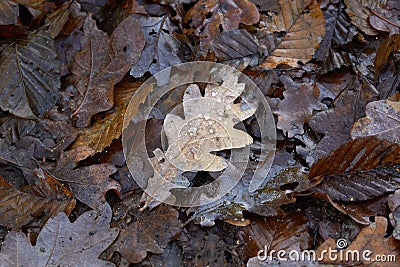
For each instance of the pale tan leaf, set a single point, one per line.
(303, 23)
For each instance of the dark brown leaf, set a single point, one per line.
(62, 243)
(148, 231)
(19, 208)
(29, 76)
(89, 184)
(384, 51)
(161, 47)
(102, 63)
(289, 232)
(8, 12)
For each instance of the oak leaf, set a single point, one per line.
(208, 126)
(62, 243)
(303, 25)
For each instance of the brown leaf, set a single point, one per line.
(382, 121)
(149, 231)
(360, 11)
(62, 243)
(289, 232)
(297, 107)
(161, 47)
(102, 63)
(386, 19)
(370, 238)
(29, 76)
(19, 208)
(384, 51)
(109, 127)
(303, 23)
(206, 16)
(89, 184)
(8, 12)
(394, 205)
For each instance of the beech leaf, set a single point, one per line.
(29, 76)
(303, 25)
(382, 120)
(62, 243)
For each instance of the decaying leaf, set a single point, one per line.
(148, 231)
(101, 63)
(360, 12)
(62, 243)
(303, 25)
(18, 208)
(29, 76)
(8, 12)
(382, 120)
(161, 47)
(208, 126)
(107, 128)
(289, 232)
(394, 206)
(383, 53)
(206, 16)
(297, 107)
(89, 184)
(371, 238)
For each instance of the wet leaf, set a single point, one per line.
(8, 12)
(384, 51)
(372, 238)
(148, 231)
(360, 12)
(394, 204)
(192, 139)
(303, 26)
(18, 208)
(101, 63)
(289, 232)
(161, 46)
(62, 243)
(207, 16)
(297, 107)
(382, 120)
(89, 184)
(107, 128)
(29, 76)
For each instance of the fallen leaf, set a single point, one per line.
(101, 63)
(18, 208)
(208, 125)
(89, 184)
(62, 243)
(206, 16)
(386, 19)
(384, 51)
(360, 10)
(8, 13)
(29, 76)
(303, 25)
(108, 127)
(382, 120)
(289, 232)
(297, 107)
(161, 47)
(372, 238)
(394, 205)
(147, 231)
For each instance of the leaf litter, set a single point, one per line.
(329, 69)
